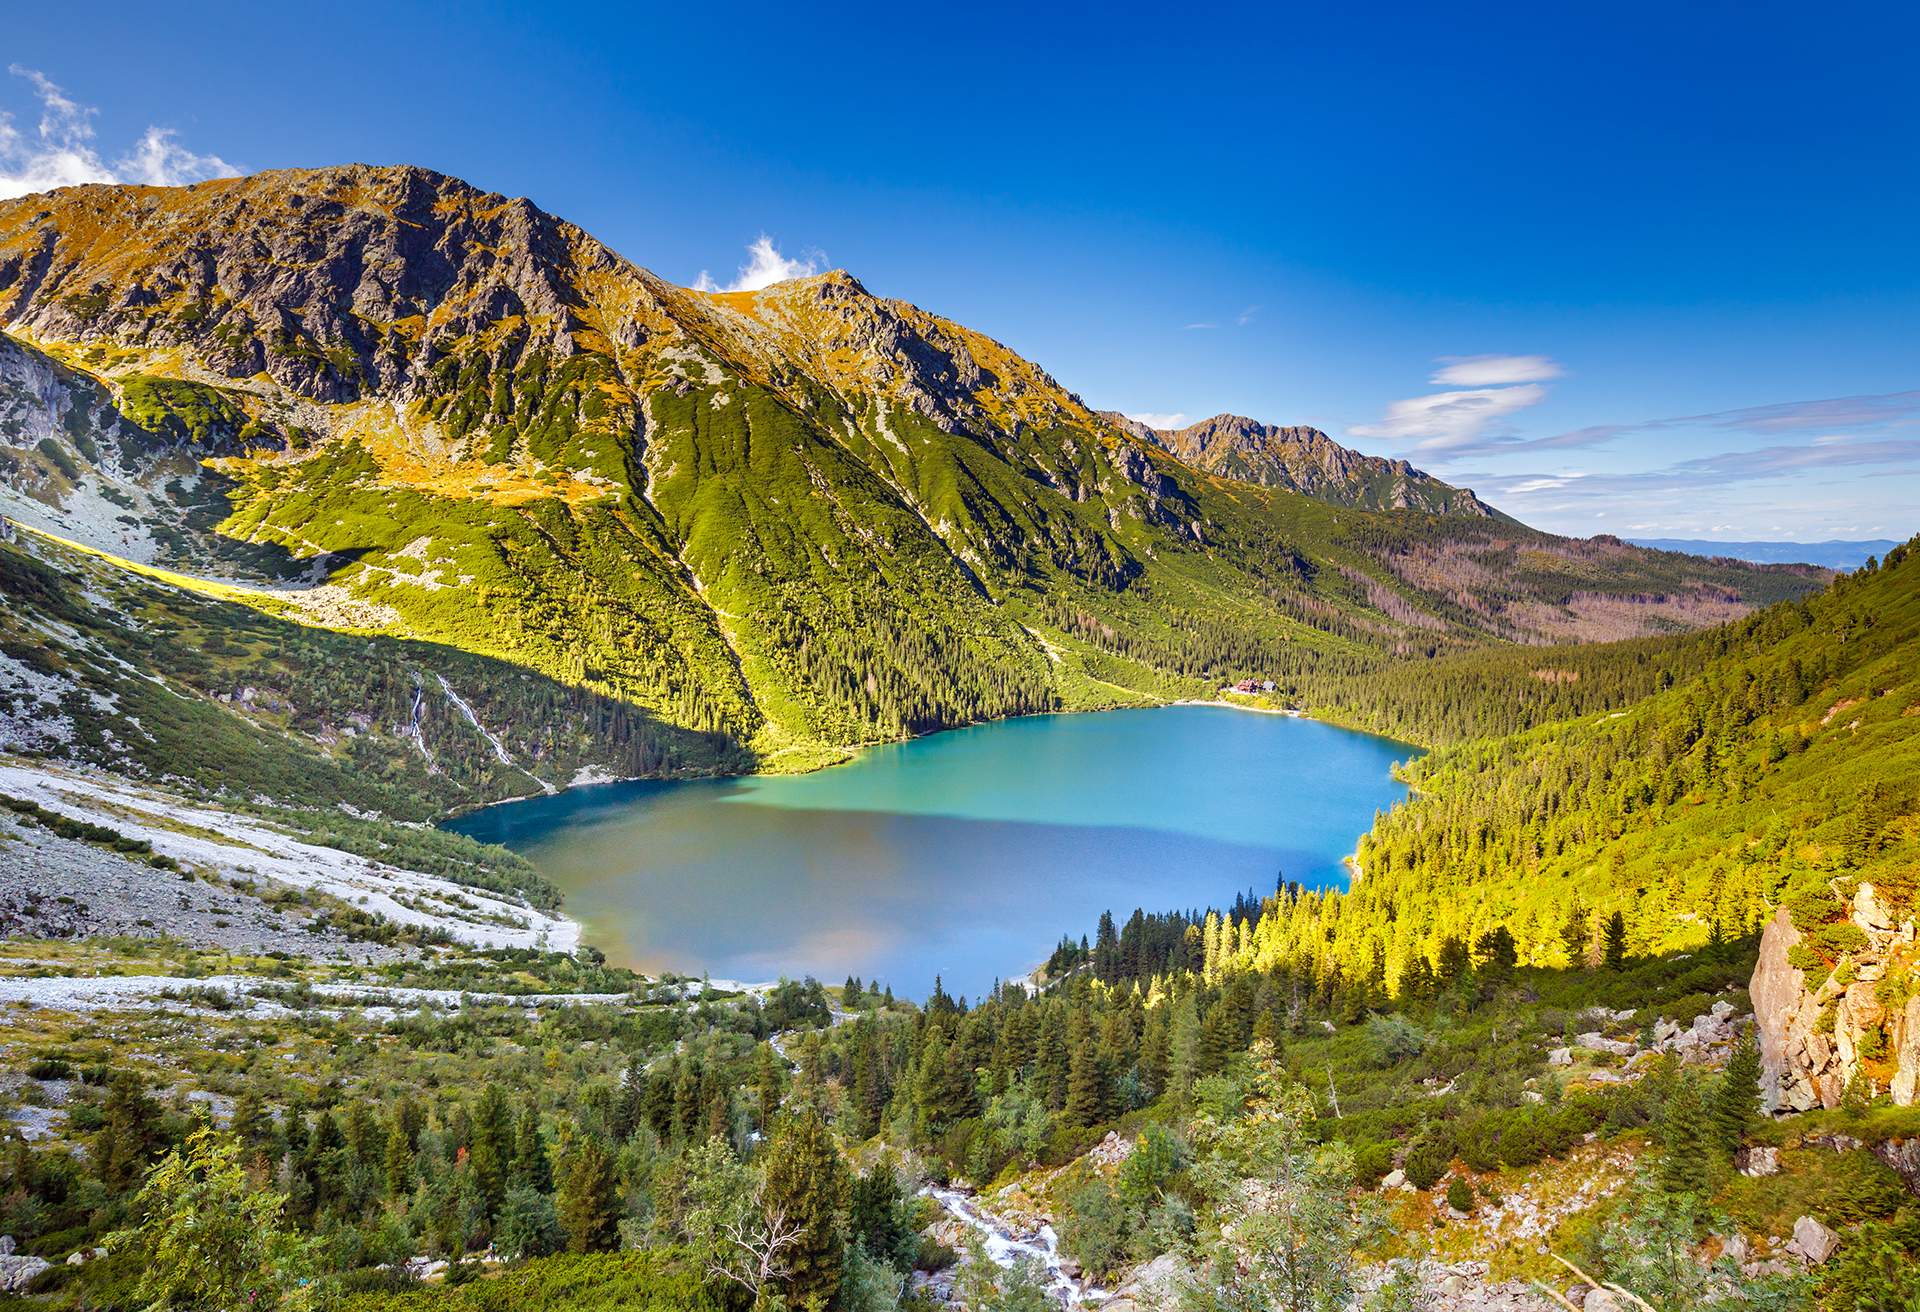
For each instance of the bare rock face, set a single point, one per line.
(1778, 989)
(1905, 1036)
(1815, 1034)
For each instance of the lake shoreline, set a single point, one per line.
(1024, 828)
(856, 751)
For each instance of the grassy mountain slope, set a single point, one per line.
(103, 666)
(795, 519)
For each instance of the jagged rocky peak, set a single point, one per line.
(857, 342)
(1306, 460)
(335, 283)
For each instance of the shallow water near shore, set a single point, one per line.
(965, 854)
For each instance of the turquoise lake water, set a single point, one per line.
(965, 854)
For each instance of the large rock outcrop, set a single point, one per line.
(1825, 1027)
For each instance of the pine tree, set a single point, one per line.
(630, 1109)
(1455, 962)
(531, 1169)
(1614, 952)
(254, 1129)
(1053, 1061)
(1498, 956)
(1183, 1049)
(129, 1133)
(1576, 936)
(588, 1198)
(930, 1082)
(1086, 1094)
(766, 1084)
(322, 1162)
(1155, 1050)
(1216, 1039)
(807, 1184)
(397, 1160)
(492, 1152)
(1736, 1103)
(1684, 1133)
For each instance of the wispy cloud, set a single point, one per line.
(1900, 457)
(60, 152)
(1451, 421)
(1862, 414)
(1245, 316)
(1487, 389)
(1196, 327)
(1834, 412)
(1493, 370)
(1153, 419)
(765, 266)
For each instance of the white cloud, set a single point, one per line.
(60, 152)
(1245, 316)
(1493, 370)
(161, 161)
(765, 266)
(1153, 420)
(1442, 421)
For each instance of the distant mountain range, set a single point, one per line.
(1829, 555)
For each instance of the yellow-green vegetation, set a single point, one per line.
(795, 520)
(1777, 756)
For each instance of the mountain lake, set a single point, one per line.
(964, 854)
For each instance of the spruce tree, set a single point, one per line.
(1614, 953)
(1086, 1096)
(1684, 1133)
(807, 1184)
(1576, 935)
(491, 1154)
(1052, 1063)
(531, 1169)
(589, 1198)
(129, 1133)
(1736, 1103)
(397, 1160)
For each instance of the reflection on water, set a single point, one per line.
(966, 854)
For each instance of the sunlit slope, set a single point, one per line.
(1784, 756)
(799, 518)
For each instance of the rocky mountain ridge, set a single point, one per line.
(1305, 460)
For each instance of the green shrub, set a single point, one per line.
(658, 1280)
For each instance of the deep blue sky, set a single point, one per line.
(1690, 211)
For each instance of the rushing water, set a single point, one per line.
(1003, 1246)
(965, 854)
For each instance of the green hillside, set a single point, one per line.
(1774, 757)
(794, 520)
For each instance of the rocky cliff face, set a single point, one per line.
(1824, 1027)
(1307, 461)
